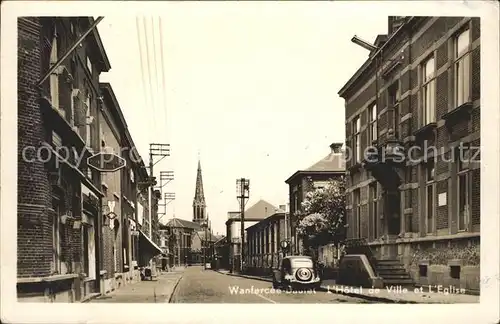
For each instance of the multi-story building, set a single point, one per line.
(120, 236)
(413, 125)
(254, 214)
(264, 243)
(59, 196)
(318, 175)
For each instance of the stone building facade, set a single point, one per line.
(413, 125)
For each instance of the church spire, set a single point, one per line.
(199, 197)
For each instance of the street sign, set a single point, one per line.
(106, 162)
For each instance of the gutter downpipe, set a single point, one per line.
(69, 51)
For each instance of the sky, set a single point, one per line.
(250, 90)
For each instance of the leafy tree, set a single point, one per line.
(322, 217)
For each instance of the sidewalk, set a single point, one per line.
(384, 295)
(159, 290)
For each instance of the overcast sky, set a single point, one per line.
(252, 88)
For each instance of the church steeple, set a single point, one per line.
(199, 205)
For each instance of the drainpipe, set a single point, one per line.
(69, 51)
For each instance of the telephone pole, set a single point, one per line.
(243, 190)
(162, 151)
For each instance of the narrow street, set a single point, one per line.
(208, 286)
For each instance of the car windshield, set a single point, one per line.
(302, 263)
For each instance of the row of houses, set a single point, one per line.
(411, 160)
(80, 232)
(268, 226)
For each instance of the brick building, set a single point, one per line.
(59, 197)
(264, 238)
(410, 203)
(120, 247)
(301, 182)
(68, 250)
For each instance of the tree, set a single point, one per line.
(322, 217)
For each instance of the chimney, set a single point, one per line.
(282, 207)
(336, 147)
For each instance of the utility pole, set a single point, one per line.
(243, 189)
(161, 150)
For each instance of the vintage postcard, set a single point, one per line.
(236, 152)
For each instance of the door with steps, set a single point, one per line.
(393, 273)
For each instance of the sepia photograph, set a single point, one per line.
(249, 153)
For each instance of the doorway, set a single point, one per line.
(393, 212)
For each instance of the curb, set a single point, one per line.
(362, 296)
(89, 298)
(173, 290)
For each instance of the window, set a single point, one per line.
(429, 195)
(54, 77)
(89, 247)
(462, 68)
(56, 235)
(394, 97)
(373, 209)
(132, 175)
(373, 123)
(455, 272)
(357, 138)
(85, 249)
(464, 193)
(88, 137)
(357, 206)
(89, 65)
(422, 270)
(428, 91)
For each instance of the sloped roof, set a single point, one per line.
(260, 210)
(210, 236)
(177, 222)
(333, 162)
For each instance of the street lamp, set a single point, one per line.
(243, 193)
(366, 45)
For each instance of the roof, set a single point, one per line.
(212, 237)
(221, 240)
(177, 222)
(333, 163)
(260, 210)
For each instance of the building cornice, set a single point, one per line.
(104, 62)
(394, 38)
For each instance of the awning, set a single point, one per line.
(147, 248)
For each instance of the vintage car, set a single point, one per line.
(296, 272)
